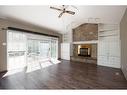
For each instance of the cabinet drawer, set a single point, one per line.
(114, 60)
(102, 60)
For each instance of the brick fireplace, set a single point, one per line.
(84, 45)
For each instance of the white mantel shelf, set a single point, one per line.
(86, 42)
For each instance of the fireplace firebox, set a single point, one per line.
(84, 52)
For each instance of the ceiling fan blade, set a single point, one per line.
(74, 7)
(60, 14)
(70, 12)
(56, 8)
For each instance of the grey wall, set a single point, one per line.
(3, 52)
(123, 37)
(18, 24)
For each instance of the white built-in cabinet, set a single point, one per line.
(65, 51)
(109, 46)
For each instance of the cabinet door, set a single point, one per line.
(109, 51)
(65, 51)
(102, 60)
(103, 51)
(114, 47)
(103, 46)
(114, 62)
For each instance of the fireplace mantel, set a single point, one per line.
(86, 42)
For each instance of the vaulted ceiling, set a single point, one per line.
(43, 16)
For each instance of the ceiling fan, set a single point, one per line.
(63, 10)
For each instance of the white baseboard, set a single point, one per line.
(111, 65)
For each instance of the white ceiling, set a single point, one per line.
(43, 16)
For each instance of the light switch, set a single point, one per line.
(4, 44)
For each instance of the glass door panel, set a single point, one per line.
(44, 48)
(54, 49)
(16, 50)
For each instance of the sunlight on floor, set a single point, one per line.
(55, 61)
(16, 62)
(33, 67)
(12, 72)
(41, 65)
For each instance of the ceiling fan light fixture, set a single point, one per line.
(63, 10)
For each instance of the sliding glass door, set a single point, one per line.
(43, 49)
(16, 46)
(30, 49)
(54, 48)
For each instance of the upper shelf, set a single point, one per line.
(104, 30)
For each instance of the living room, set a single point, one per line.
(63, 47)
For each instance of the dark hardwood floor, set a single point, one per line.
(66, 75)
